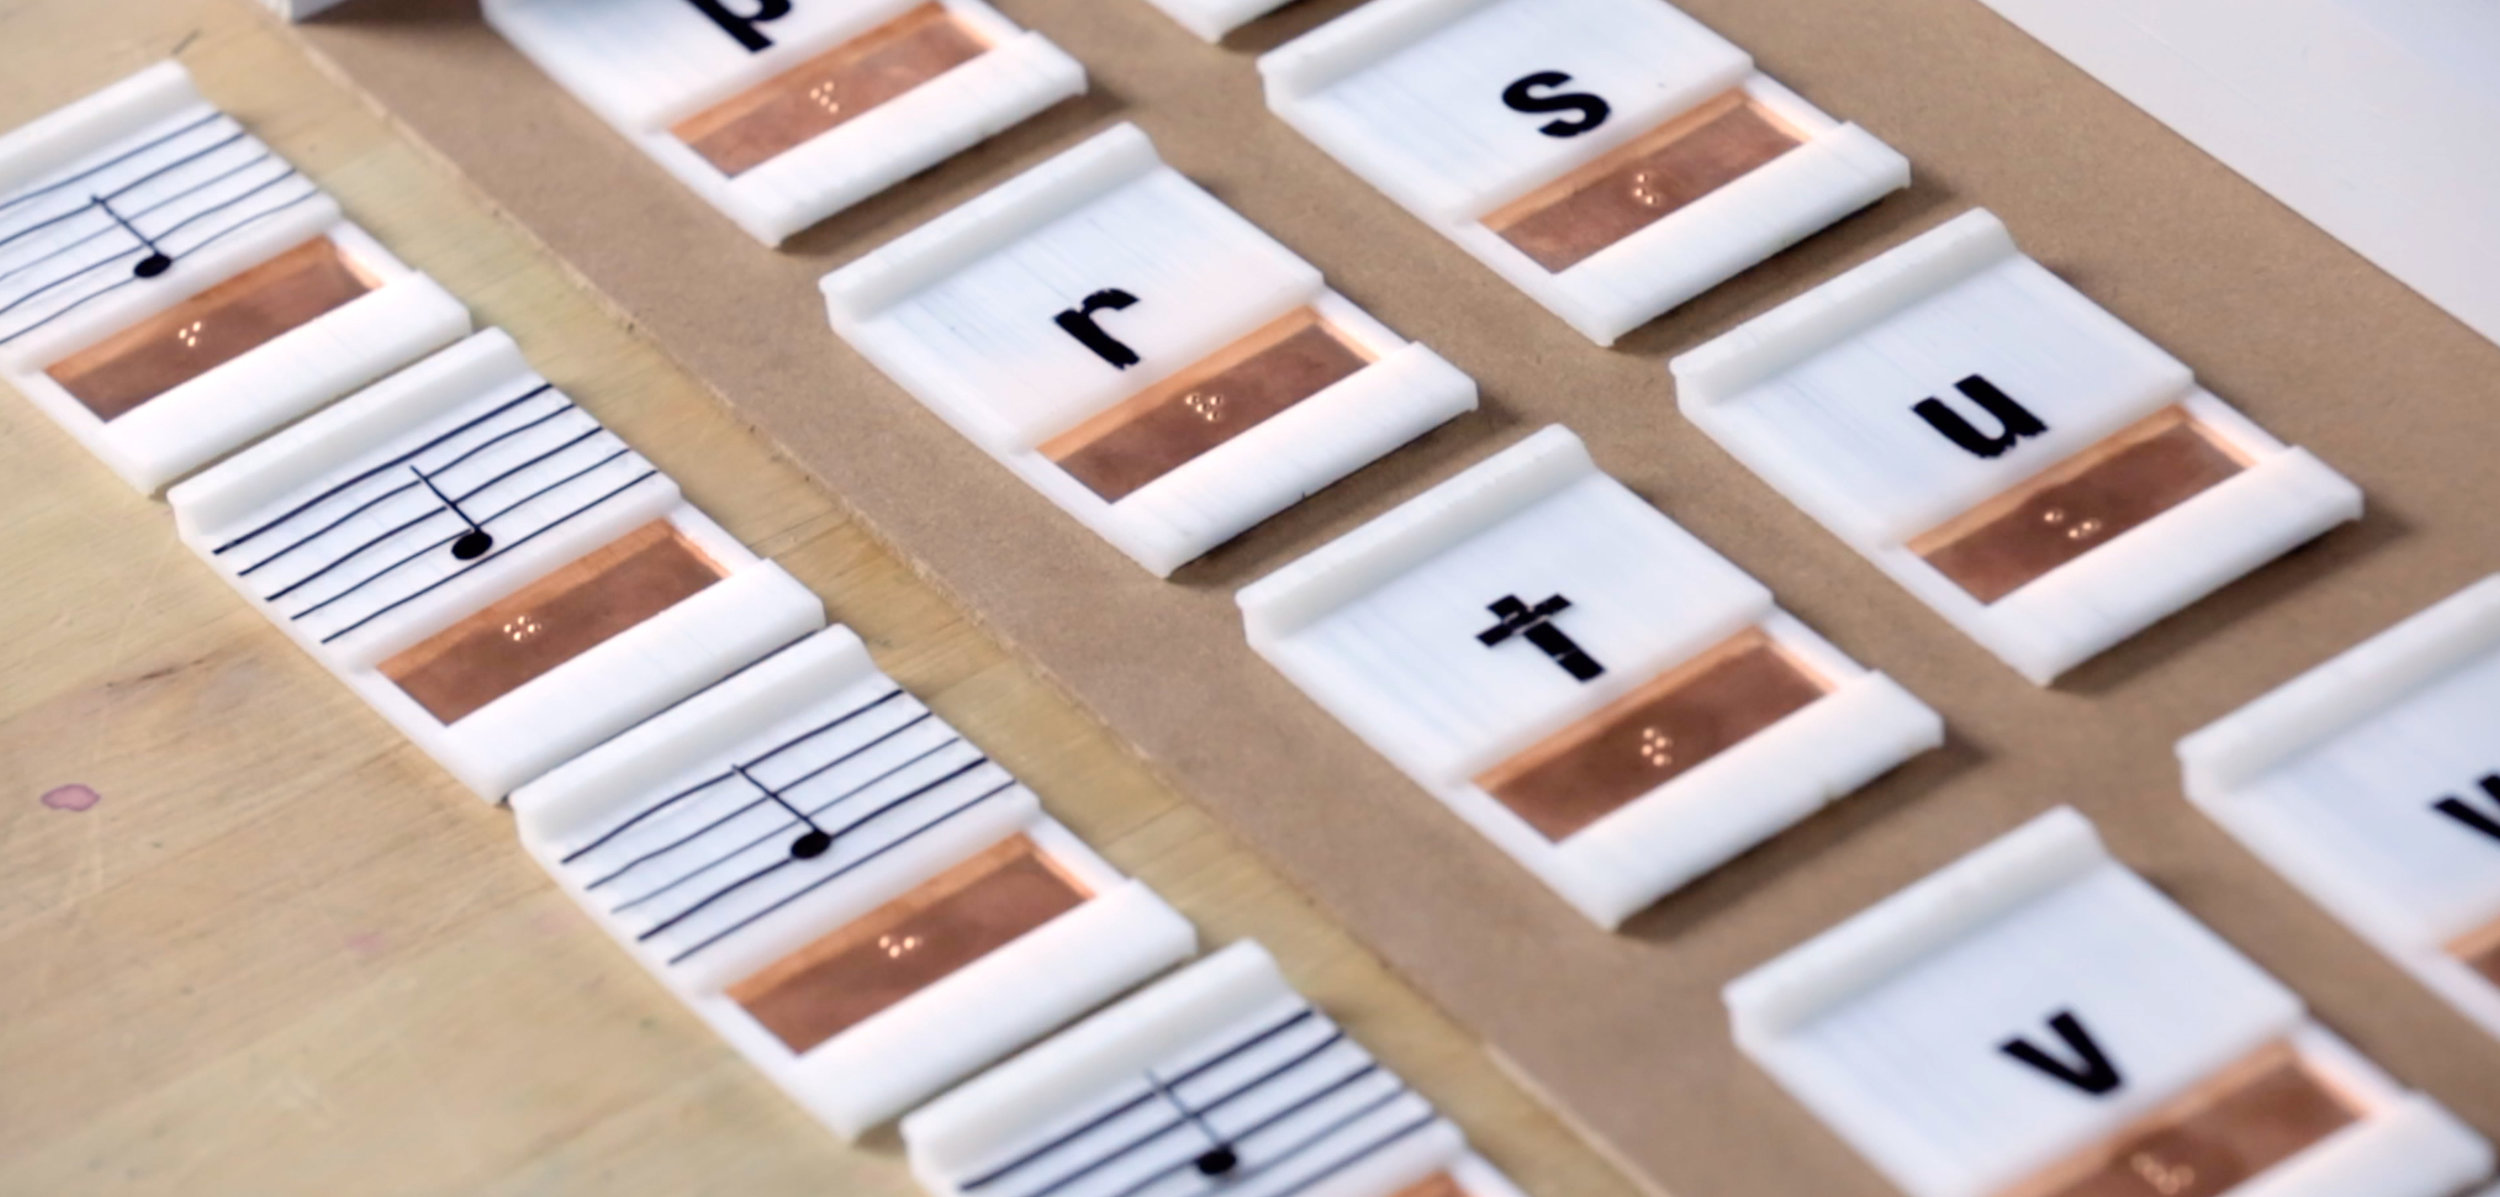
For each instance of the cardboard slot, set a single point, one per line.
(1651, 736)
(2121, 483)
(2255, 1115)
(120, 373)
(758, 125)
(551, 621)
(1438, 1184)
(908, 944)
(1119, 451)
(2481, 952)
(1569, 220)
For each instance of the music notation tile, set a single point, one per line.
(1138, 352)
(2373, 783)
(489, 566)
(2037, 1021)
(1212, 19)
(171, 290)
(862, 902)
(2026, 464)
(781, 114)
(1611, 158)
(1217, 1079)
(1612, 703)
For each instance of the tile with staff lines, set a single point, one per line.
(171, 289)
(856, 897)
(501, 576)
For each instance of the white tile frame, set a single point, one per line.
(1022, 74)
(1212, 19)
(2284, 499)
(1013, 1104)
(1864, 727)
(754, 608)
(1406, 391)
(907, 1053)
(1838, 170)
(226, 408)
(2404, 1145)
(2226, 763)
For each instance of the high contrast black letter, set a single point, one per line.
(1522, 97)
(1536, 625)
(2456, 808)
(1078, 322)
(2017, 420)
(742, 25)
(2092, 1072)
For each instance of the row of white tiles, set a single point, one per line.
(856, 898)
(1385, 628)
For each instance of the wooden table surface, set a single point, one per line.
(253, 942)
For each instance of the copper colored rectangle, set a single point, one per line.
(551, 621)
(1651, 736)
(214, 327)
(906, 945)
(760, 124)
(1438, 1184)
(2122, 482)
(1172, 423)
(2255, 1115)
(1569, 220)
(2481, 952)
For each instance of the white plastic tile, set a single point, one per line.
(146, 299)
(2035, 470)
(1212, 19)
(2035, 1019)
(297, 10)
(1611, 158)
(379, 532)
(764, 846)
(1219, 1079)
(1611, 702)
(2373, 783)
(1138, 352)
(781, 113)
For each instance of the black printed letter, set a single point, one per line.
(2093, 1073)
(1079, 323)
(1522, 97)
(742, 26)
(2455, 808)
(2017, 421)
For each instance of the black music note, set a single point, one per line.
(1214, 1161)
(472, 544)
(156, 262)
(814, 841)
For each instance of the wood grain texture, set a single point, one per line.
(1626, 1030)
(282, 953)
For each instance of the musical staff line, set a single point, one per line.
(139, 214)
(333, 491)
(374, 542)
(1297, 1018)
(845, 758)
(741, 883)
(838, 874)
(568, 517)
(823, 791)
(131, 212)
(409, 525)
(208, 116)
(638, 817)
(1306, 1102)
